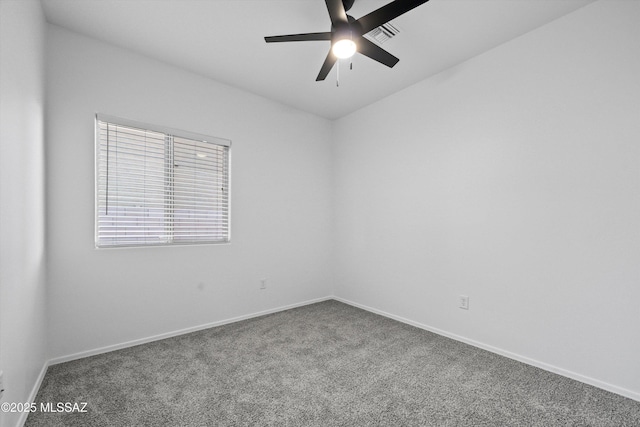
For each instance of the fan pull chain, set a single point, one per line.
(338, 74)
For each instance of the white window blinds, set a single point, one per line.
(157, 186)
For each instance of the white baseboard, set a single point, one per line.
(171, 334)
(34, 393)
(547, 367)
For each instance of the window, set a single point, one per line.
(158, 186)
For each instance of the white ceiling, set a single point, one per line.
(224, 40)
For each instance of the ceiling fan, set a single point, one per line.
(347, 33)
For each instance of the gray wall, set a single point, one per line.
(280, 195)
(23, 334)
(513, 178)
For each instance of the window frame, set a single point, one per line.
(171, 133)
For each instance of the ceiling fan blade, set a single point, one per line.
(327, 66)
(298, 37)
(375, 52)
(386, 13)
(347, 4)
(337, 13)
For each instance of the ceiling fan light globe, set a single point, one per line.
(344, 48)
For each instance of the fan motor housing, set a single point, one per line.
(351, 30)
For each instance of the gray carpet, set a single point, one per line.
(326, 364)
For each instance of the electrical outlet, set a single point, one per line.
(263, 283)
(464, 302)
